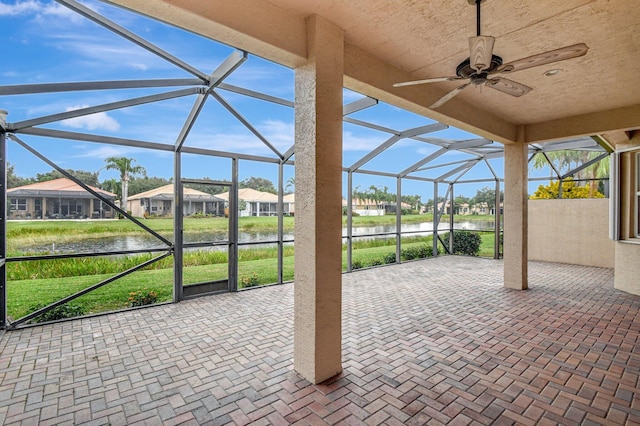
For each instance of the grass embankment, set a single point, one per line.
(25, 293)
(43, 282)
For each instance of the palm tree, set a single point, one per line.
(564, 160)
(111, 185)
(291, 183)
(126, 168)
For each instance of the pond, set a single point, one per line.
(146, 241)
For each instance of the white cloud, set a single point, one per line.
(102, 51)
(102, 152)
(139, 66)
(56, 10)
(279, 133)
(39, 9)
(99, 120)
(20, 8)
(228, 142)
(351, 142)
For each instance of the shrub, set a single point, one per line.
(142, 298)
(418, 252)
(409, 253)
(377, 262)
(424, 251)
(59, 312)
(356, 264)
(390, 258)
(344, 212)
(465, 242)
(252, 280)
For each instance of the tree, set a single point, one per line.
(138, 185)
(291, 185)
(570, 189)
(259, 184)
(567, 160)
(210, 188)
(111, 185)
(357, 194)
(429, 205)
(488, 196)
(413, 200)
(125, 166)
(383, 195)
(14, 181)
(88, 178)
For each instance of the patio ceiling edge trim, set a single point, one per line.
(618, 119)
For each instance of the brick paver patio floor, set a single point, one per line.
(430, 342)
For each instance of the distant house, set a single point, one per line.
(366, 207)
(159, 202)
(463, 209)
(446, 209)
(468, 209)
(258, 203)
(290, 201)
(483, 208)
(57, 199)
(391, 208)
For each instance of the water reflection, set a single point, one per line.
(146, 241)
(424, 228)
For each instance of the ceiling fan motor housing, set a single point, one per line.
(464, 70)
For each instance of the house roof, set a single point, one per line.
(166, 193)
(62, 187)
(387, 42)
(251, 195)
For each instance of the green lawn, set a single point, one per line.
(23, 295)
(43, 282)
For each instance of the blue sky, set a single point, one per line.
(45, 42)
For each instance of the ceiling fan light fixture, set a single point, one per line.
(551, 73)
(481, 49)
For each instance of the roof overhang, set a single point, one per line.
(388, 42)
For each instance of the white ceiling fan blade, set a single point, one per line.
(428, 80)
(551, 56)
(507, 86)
(446, 98)
(481, 52)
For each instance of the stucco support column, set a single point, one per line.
(515, 215)
(318, 224)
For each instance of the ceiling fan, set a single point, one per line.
(481, 65)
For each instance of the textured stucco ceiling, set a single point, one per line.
(395, 40)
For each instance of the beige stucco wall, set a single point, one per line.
(627, 273)
(571, 231)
